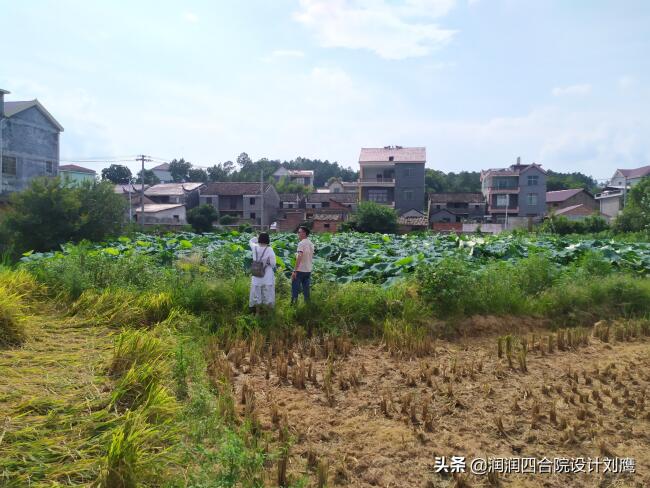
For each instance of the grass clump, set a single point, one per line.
(12, 319)
(135, 346)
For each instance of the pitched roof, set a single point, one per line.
(78, 169)
(161, 167)
(159, 207)
(457, 197)
(561, 195)
(343, 197)
(636, 172)
(233, 188)
(417, 221)
(513, 170)
(12, 108)
(399, 154)
(579, 209)
(172, 188)
(289, 197)
(301, 172)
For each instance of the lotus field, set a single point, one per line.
(376, 258)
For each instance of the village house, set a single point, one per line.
(412, 221)
(329, 216)
(393, 176)
(29, 143)
(517, 192)
(291, 200)
(337, 185)
(162, 173)
(72, 173)
(574, 198)
(612, 199)
(456, 207)
(132, 194)
(243, 200)
(325, 200)
(167, 214)
(175, 193)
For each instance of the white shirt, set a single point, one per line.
(269, 260)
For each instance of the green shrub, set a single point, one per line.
(497, 290)
(535, 274)
(447, 285)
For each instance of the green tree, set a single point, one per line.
(221, 171)
(117, 174)
(636, 214)
(150, 177)
(197, 175)
(286, 186)
(49, 213)
(179, 169)
(202, 217)
(372, 217)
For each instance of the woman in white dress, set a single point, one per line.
(263, 287)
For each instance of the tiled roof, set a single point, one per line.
(343, 197)
(301, 172)
(635, 173)
(328, 216)
(172, 188)
(161, 167)
(561, 195)
(457, 197)
(419, 221)
(78, 169)
(233, 188)
(574, 210)
(398, 153)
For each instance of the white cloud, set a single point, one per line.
(191, 17)
(393, 31)
(626, 82)
(582, 89)
(283, 54)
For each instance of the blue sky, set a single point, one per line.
(478, 82)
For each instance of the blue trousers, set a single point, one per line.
(302, 281)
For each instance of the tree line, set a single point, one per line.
(243, 169)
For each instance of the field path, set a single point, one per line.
(47, 390)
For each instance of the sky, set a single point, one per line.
(477, 82)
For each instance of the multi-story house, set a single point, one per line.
(29, 143)
(393, 176)
(517, 191)
(456, 206)
(243, 200)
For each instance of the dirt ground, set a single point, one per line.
(384, 419)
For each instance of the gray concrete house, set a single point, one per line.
(456, 206)
(301, 176)
(29, 143)
(612, 199)
(517, 191)
(162, 173)
(243, 200)
(393, 176)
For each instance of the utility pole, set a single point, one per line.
(142, 158)
(262, 201)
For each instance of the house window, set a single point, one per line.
(438, 207)
(233, 203)
(391, 158)
(502, 200)
(49, 167)
(176, 218)
(408, 195)
(407, 172)
(208, 200)
(327, 226)
(337, 190)
(326, 204)
(532, 199)
(533, 180)
(379, 196)
(252, 215)
(476, 206)
(251, 201)
(9, 166)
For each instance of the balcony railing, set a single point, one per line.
(505, 188)
(502, 208)
(377, 180)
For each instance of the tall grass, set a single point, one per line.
(12, 318)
